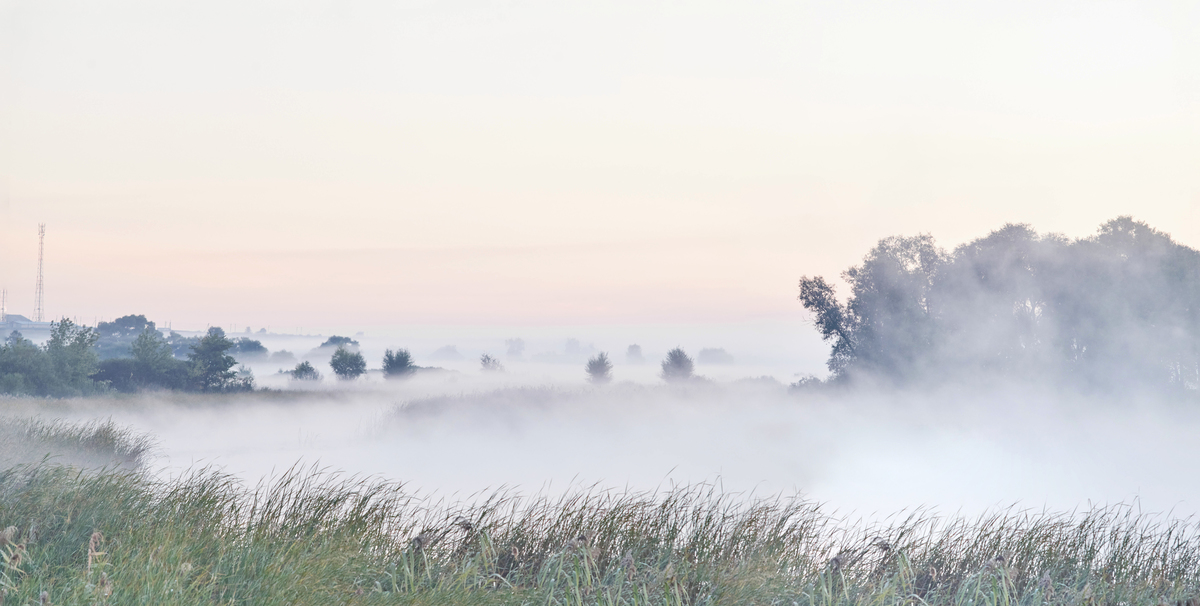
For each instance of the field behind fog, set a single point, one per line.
(961, 450)
(783, 349)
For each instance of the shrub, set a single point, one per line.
(599, 369)
(490, 364)
(304, 371)
(677, 366)
(397, 363)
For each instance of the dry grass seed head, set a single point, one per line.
(8, 535)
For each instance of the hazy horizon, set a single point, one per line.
(525, 163)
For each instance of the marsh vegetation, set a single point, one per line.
(121, 536)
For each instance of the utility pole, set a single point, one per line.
(4, 305)
(39, 303)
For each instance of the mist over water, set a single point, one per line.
(963, 449)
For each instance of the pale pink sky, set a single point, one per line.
(376, 163)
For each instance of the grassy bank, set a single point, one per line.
(119, 536)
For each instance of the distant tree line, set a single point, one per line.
(1120, 308)
(69, 364)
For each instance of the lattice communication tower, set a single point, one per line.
(39, 303)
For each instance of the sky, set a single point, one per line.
(551, 163)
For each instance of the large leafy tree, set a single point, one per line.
(1119, 308)
(348, 365)
(26, 369)
(70, 350)
(210, 366)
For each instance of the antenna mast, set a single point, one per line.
(39, 311)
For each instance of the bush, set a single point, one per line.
(489, 364)
(348, 365)
(677, 366)
(633, 355)
(599, 369)
(304, 371)
(397, 363)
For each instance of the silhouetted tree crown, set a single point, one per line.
(489, 364)
(1120, 307)
(304, 371)
(397, 364)
(677, 366)
(211, 367)
(599, 369)
(346, 364)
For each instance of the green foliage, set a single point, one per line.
(210, 368)
(348, 365)
(125, 326)
(599, 369)
(677, 366)
(181, 346)
(304, 371)
(1121, 308)
(398, 364)
(70, 349)
(62, 368)
(118, 335)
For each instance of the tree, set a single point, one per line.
(489, 364)
(348, 365)
(599, 369)
(633, 355)
(832, 319)
(245, 348)
(336, 341)
(125, 326)
(152, 351)
(70, 349)
(304, 371)
(1118, 309)
(210, 367)
(397, 364)
(153, 365)
(26, 369)
(677, 366)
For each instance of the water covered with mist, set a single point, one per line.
(539, 427)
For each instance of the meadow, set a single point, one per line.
(100, 530)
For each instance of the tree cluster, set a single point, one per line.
(1121, 308)
(69, 363)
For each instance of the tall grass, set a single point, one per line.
(314, 537)
(93, 444)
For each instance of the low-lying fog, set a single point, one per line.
(539, 426)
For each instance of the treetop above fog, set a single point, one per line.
(1120, 307)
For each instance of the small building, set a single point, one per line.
(13, 322)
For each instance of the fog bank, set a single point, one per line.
(957, 450)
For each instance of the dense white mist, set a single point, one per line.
(869, 453)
